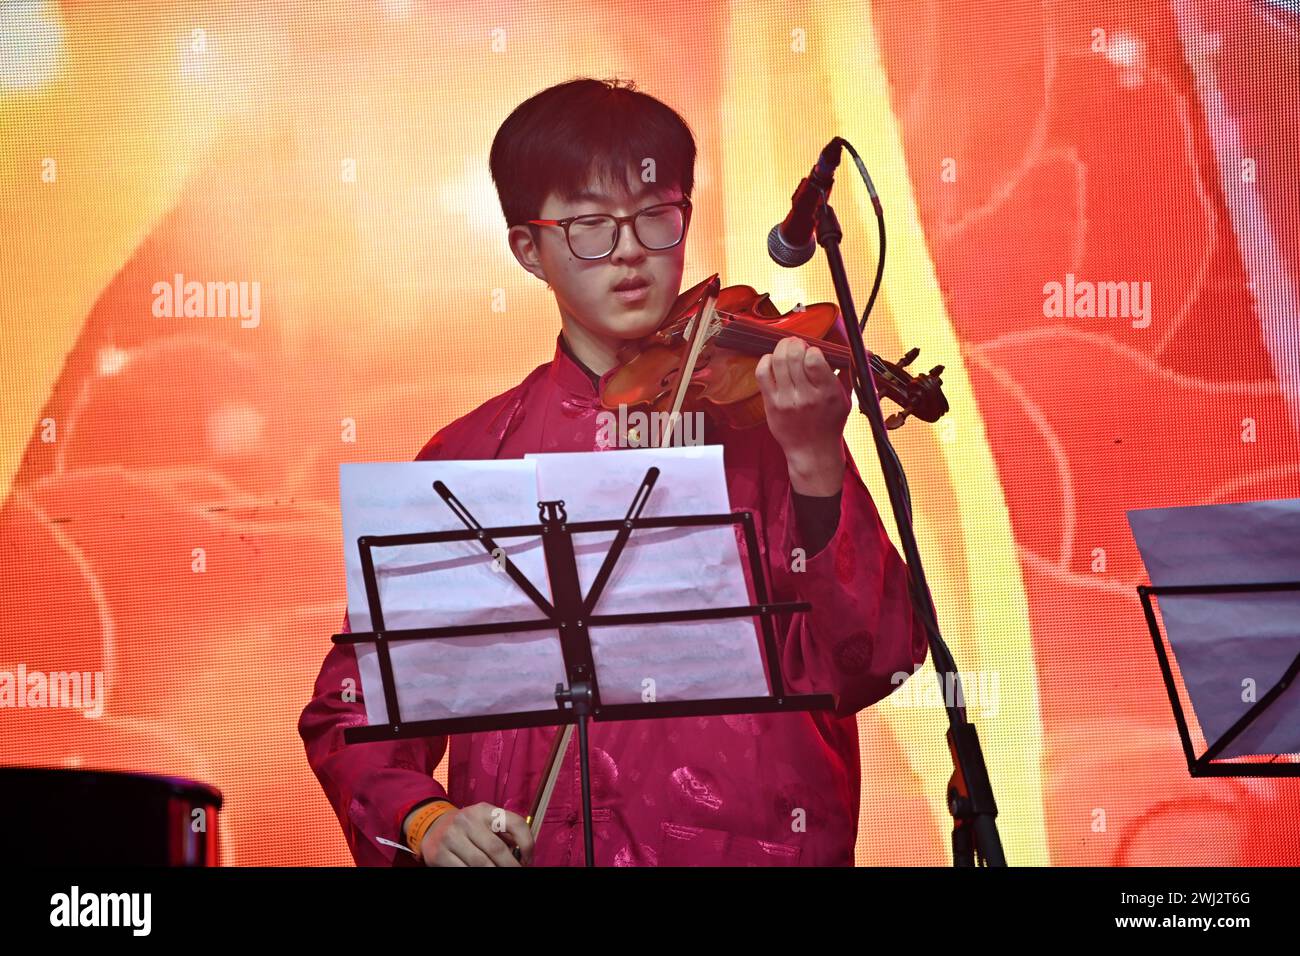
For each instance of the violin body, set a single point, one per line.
(743, 326)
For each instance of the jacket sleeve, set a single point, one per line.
(372, 786)
(861, 635)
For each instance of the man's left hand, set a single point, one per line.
(806, 408)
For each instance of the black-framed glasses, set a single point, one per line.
(656, 227)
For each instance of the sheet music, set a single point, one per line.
(441, 585)
(459, 583)
(661, 570)
(1225, 644)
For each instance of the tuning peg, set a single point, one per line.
(907, 359)
(896, 419)
(936, 371)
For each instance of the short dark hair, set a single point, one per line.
(555, 141)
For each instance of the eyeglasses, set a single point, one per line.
(657, 227)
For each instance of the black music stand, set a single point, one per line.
(1205, 765)
(572, 616)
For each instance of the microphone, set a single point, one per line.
(791, 243)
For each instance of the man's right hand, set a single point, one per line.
(478, 835)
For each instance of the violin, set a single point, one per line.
(704, 355)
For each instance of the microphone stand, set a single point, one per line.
(970, 793)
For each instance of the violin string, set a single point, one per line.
(885, 376)
(741, 328)
(744, 325)
(766, 338)
(740, 331)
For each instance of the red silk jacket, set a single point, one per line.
(755, 789)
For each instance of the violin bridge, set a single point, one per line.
(715, 326)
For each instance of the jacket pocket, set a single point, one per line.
(700, 846)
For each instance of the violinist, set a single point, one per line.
(595, 181)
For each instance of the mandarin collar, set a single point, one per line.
(571, 374)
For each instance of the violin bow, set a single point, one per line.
(542, 799)
(560, 745)
(698, 332)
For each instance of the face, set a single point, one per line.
(584, 288)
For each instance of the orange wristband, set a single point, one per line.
(423, 819)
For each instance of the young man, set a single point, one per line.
(772, 789)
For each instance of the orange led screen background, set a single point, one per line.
(168, 483)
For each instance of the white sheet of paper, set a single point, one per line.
(441, 585)
(668, 569)
(457, 583)
(1222, 641)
